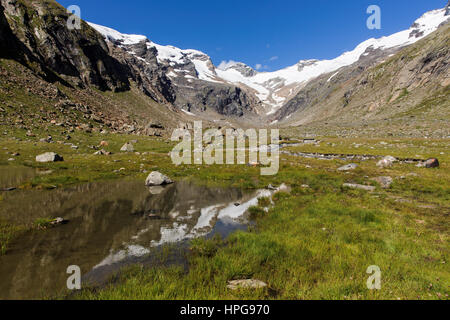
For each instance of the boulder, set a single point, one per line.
(58, 221)
(386, 162)
(49, 157)
(157, 179)
(127, 147)
(432, 163)
(348, 167)
(47, 140)
(384, 182)
(102, 152)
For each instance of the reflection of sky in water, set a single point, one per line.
(112, 224)
(220, 218)
(215, 219)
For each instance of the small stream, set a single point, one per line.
(111, 225)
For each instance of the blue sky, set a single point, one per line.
(274, 34)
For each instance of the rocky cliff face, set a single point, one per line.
(80, 57)
(185, 78)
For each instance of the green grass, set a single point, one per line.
(8, 232)
(307, 247)
(317, 243)
(313, 243)
(43, 223)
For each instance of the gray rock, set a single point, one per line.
(58, 221)
(358, 186)
(432, 163)
(49, 157)
(384, 182)
(127, 147)
(102, 152)
(348, 167)
(157, 179)
(386, 162)
(47, 140)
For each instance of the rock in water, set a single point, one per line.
(157, 179)
(348, 167)
(58, 221)
(432, 163)
(127, 147)
(49, 157)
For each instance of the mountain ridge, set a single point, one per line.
(183, 85)
(276, 88)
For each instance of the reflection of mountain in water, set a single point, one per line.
(109, 223)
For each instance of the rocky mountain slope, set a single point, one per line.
(409, 89)
(70, 67)
(40, 40)
(192, 68)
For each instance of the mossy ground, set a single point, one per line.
(313, 243)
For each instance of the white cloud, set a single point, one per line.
(224, 65)
(273, 58)
(259, 66)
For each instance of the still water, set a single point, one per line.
(111, 225)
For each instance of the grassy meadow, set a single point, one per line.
(314, 242)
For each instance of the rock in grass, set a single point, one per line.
(432, 163)
(348, 167)
(47, 140)
(157, 179)
(102, 152)
(127, 147)
(386, 162)
(49, 157)
(246, 284)
(358, 186)
(384, 182)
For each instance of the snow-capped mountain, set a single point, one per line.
(272, 89)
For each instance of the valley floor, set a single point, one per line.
(315, 242)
